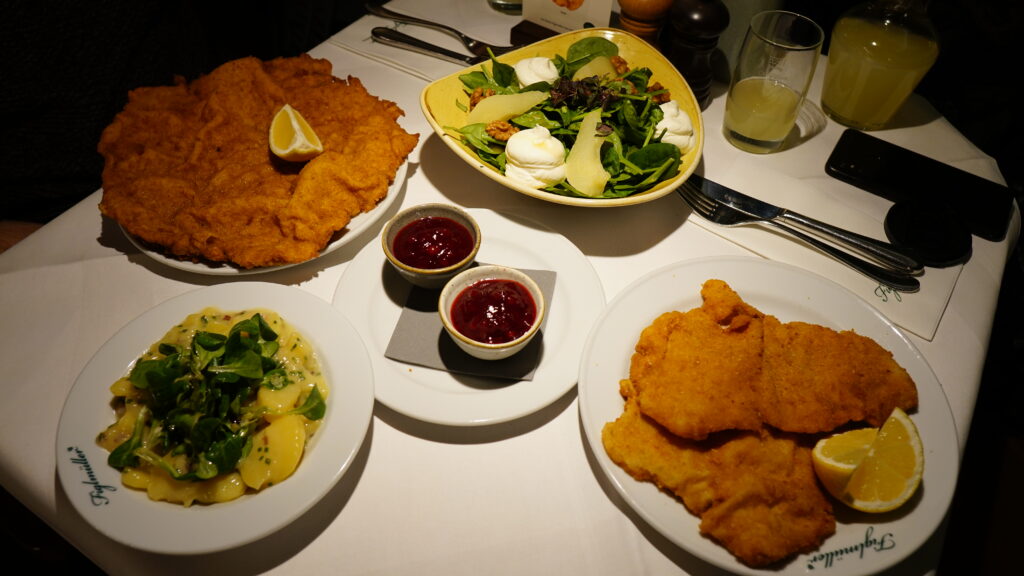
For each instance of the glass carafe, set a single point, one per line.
(878, 53)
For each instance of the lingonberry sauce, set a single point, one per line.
(432, 242)
(494, 311)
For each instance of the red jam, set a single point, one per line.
(432, 242)
(494, 311)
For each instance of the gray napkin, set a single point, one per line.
(419, 338)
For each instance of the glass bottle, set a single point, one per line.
(878, 53)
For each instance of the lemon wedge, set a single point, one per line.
(292, 138)
(836, 457)
(884, 476)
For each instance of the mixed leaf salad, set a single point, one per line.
(199, 401)
(629, 146)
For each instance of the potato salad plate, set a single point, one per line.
(128, 515)
(862, 543)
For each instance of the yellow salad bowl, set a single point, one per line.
(445, 105)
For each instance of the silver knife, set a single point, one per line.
(882, 252)
(393, 37)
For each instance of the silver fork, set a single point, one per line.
(477, 47)
(724, 215)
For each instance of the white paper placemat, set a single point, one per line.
(917, 312)
(471, 17)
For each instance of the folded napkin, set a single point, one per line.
(419, 338)
(473, 18)
(917, 312)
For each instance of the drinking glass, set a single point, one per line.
(770, 80)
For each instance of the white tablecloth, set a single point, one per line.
(517, 498)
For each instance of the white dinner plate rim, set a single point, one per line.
(677, 286)
(510, 240)
(353, 230)
(128, 516)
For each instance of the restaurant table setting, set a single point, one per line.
(429, 465)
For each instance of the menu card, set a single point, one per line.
(567, 15)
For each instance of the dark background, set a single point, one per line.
(66, 68)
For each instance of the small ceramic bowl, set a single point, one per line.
(418, 263)
(464, 296)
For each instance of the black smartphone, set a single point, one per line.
(904, 176)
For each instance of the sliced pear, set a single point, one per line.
(504, 106)
(600, 66)
(583, 169)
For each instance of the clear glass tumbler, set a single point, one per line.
(770, 80)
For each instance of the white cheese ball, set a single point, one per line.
(532, 70)
(534, 157)
(677, 126)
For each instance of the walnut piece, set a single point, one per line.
(479, 94)
(660, 98)
(501, 130)
(620, 65)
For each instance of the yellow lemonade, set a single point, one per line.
(759, 113)
(872, 69)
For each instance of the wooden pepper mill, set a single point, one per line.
(689, 39)
(645, 18)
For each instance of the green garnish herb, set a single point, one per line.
(198, 401)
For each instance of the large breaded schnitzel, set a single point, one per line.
(725, 365)
(723, 405)
(188, 167)
(755, 492)
(816, 379)
(696, 372)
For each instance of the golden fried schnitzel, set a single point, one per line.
(722, 405)
(725, 366)
(755, 492)
(816, 379)
(188, 167)
(696, 372)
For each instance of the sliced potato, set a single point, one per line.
(276, 451)
(279, 400)
(160, 486)
(504, 106)
(223, 488)
(122, 387)
(583, 169)
(137, 478)
(120, 431)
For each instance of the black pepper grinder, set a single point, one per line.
(689, 39)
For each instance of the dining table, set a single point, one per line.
(519, 495)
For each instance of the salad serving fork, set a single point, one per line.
(900, 277)
(481, 50)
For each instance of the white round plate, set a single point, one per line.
(129, 516)
(863, 543)
(372, 296)
(355, 226)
